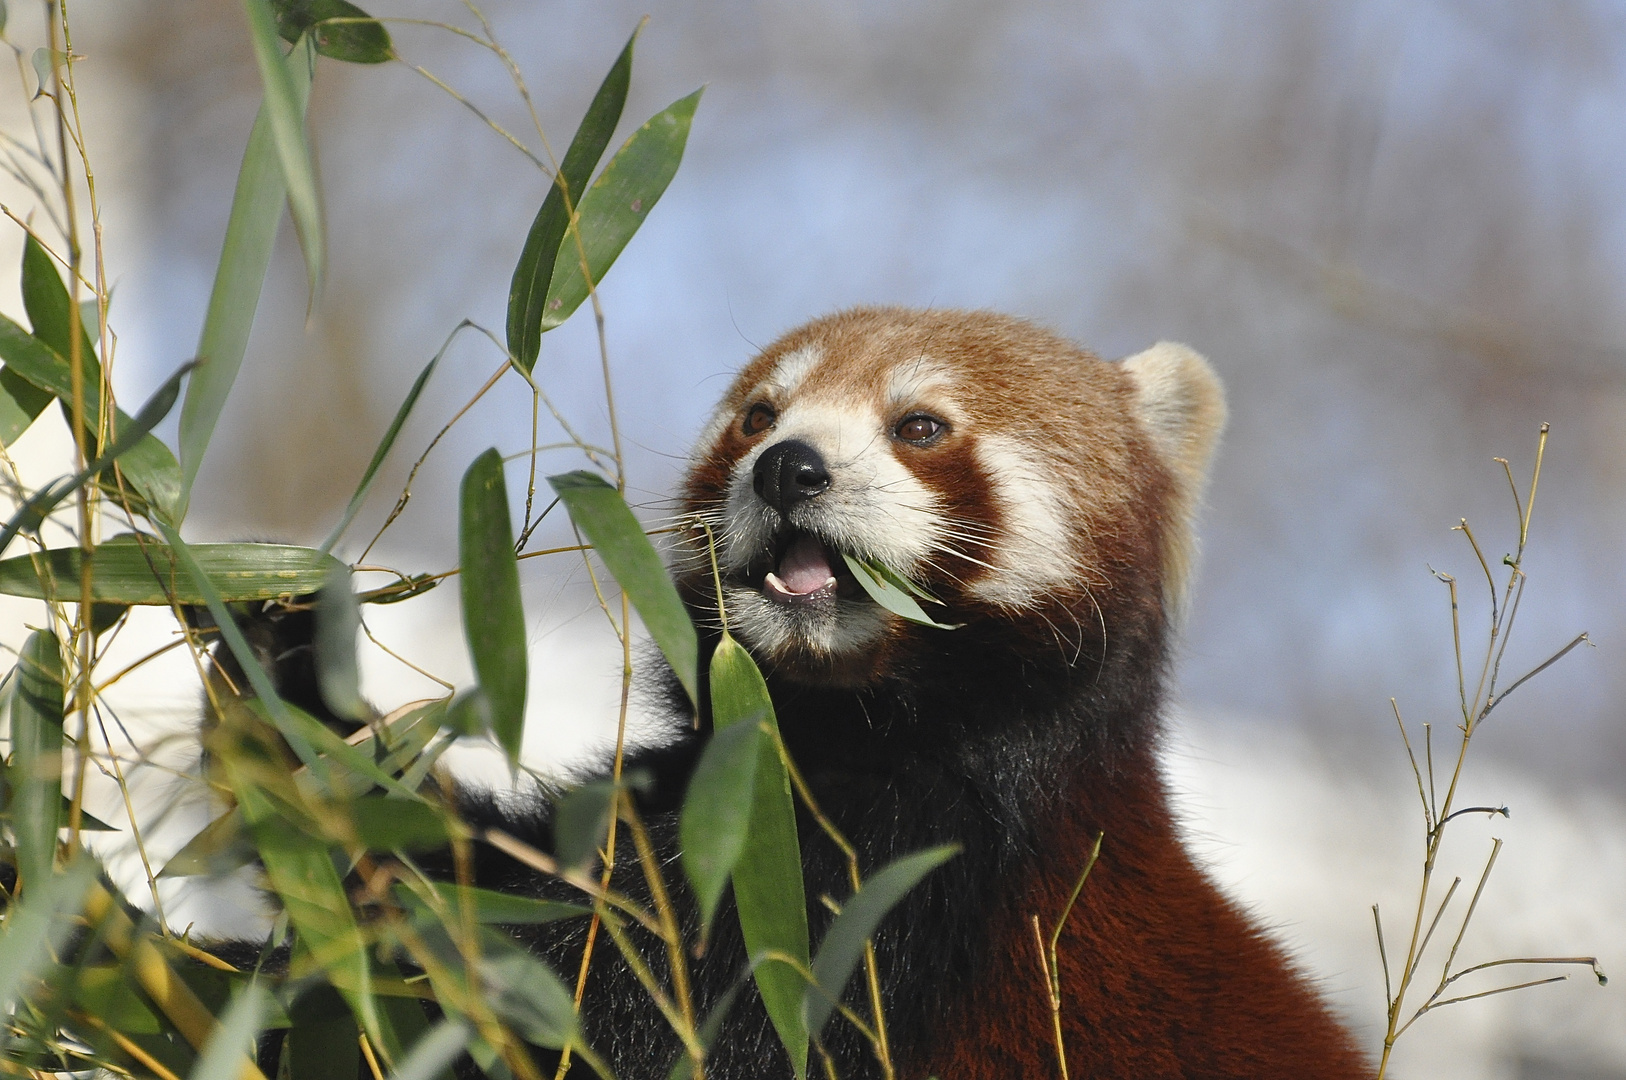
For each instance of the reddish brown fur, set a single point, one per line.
(1150, 938)
(1161, 975)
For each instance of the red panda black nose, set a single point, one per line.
(789, 472)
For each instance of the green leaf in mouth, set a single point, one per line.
(893, 592)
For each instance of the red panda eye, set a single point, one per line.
(920, 429)
(759, 418)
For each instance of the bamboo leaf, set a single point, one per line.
(324, 1049)
(21, 403)
(32, 359)
(526, 993)
(302, 874)
(148, 465)
(432, 1056)
(297, 738)
(148, 573)
(358, 773)
(616, 205)
(37, 927)
(381, 452)
(223, 845)
(45, 300)
(106, 991)
(285, 106)
(717, 811)
(843, 943)
(768, 889)
(338, 621)
(385, 824)
(352, 42)
(31, 515)
(604, 518)
(506, 909)
(493, 615)
(49, 307)
(581, 822)
(88, 822)
(224, 1054)
(220, 847)
(888, 589)
(527, 294)
(256, 207)
(45, 62)
(36, 768)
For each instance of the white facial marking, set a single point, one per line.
(874, 509)
(783, 381)
(919, 382)
(1034, 556)
(792, 370)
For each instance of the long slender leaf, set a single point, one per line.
(604, 518)
(386, 824)
(717, 811)
(21, 403)
(251, 230)
(301, 872)
(527, 295)
(148, 573)
(843, 943)
(338, 621)
(286, 108)
(147, 463)
(48, 304)
(493, 615)
(105, 991)
(507, 909)
(526, 993)
(768, 888)
(32, 513)
(324, 1048)
(264, 690)
(357, 773)
(384, 444)
(431, 1057)
(581, 822)
(36, 734)
(223, 845)
(149, 466)
(233, 1040)
(615, 206)
(352, 42)
(37, 927)
(218, 848)
(888, 589)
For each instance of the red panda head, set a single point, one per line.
(1017, 479)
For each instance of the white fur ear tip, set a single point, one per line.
(1180, 397)
(1172, 368)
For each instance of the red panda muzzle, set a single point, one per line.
(806, 573)
(787, 473)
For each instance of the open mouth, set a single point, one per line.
(806, 570)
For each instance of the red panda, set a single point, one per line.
(1045, 499)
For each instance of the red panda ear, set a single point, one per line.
(1181, 405)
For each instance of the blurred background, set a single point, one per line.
(1397, 229)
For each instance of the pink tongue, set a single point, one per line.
(804, 568)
